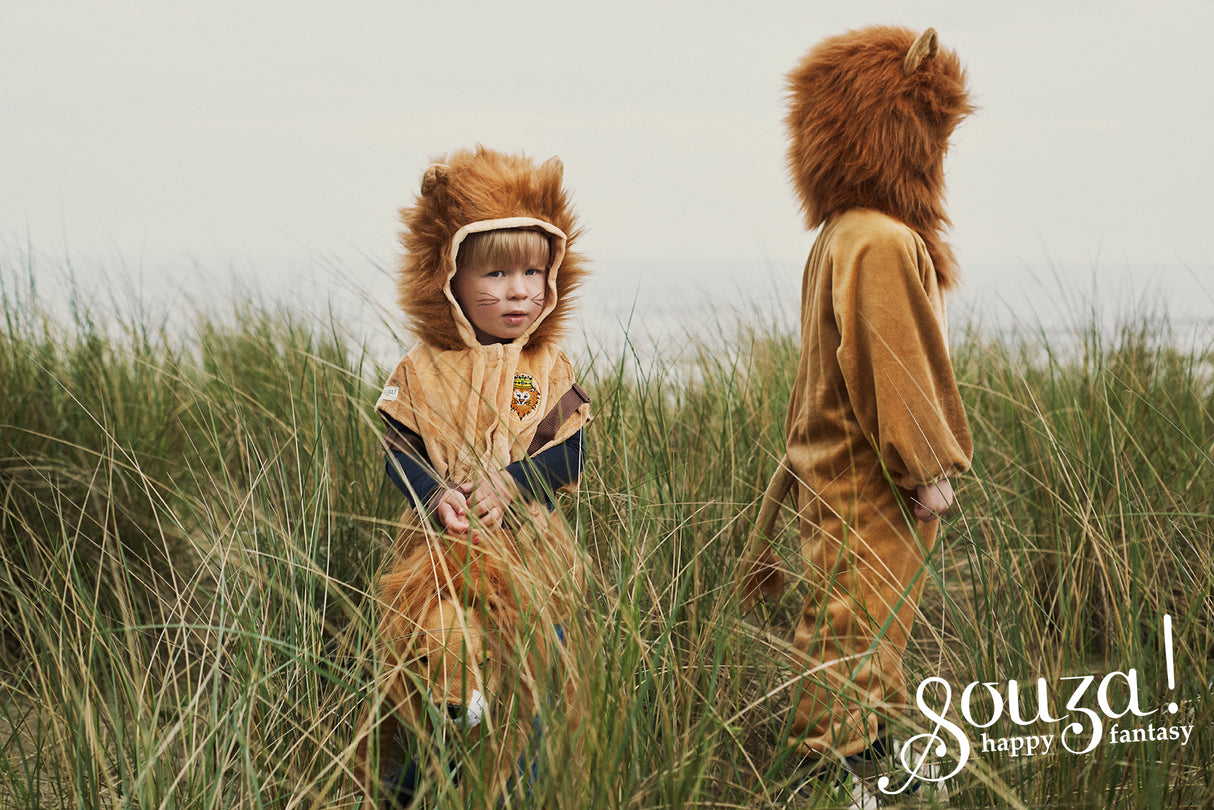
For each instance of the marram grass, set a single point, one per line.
(190, 524)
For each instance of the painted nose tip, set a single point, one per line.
(467, 715)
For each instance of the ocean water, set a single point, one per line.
(644, 305)
(637, 309)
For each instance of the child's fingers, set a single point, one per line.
(930, 501)
(489, 511)
(452, 518)
(493, 483)
(488, 508)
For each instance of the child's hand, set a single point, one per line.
(490, 495)
(933, 500)
(451, 509)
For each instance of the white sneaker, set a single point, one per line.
(865, 774)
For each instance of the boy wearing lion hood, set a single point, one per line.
(484, 417)
(875, 427)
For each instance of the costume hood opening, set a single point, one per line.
(556, 252)
(476, 190)
(869, 121)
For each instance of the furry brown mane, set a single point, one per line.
(865, 135)
(506, 606)
(477, 581)
(480, 184)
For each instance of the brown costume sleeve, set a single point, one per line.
(894, 357)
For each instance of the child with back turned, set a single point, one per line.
(875, 427)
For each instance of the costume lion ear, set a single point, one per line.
(553, 171)
(925, 47)
(434, 177)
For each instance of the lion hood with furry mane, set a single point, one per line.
(476, 190)
(869, 121)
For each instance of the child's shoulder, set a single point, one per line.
(871, 225)
(865, 237)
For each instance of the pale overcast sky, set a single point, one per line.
(247, 129)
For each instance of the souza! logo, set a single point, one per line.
(526, 397)
(1076, 726)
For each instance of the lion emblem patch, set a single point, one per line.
(526, 397)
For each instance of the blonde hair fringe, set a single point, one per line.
(503, 247)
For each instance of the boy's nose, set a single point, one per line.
(517, 288)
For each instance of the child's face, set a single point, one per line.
(502, 301)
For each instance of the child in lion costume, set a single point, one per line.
(875, 427)
(484, 419)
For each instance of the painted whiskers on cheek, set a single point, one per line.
(486, 300)
(540, 299)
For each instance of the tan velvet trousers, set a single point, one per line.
(866, 571)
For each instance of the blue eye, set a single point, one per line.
(496, 274)
(534, 271)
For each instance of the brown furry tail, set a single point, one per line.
(760, 573)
